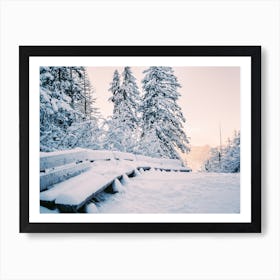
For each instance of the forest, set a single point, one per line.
(146, 121)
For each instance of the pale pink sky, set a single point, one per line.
(209, 96)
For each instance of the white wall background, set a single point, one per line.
(139, 256)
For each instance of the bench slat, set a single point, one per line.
(52, 160)
(78, 190)
(47, 180)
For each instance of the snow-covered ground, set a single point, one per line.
(59, 181)
(152, 191)
(175, 192)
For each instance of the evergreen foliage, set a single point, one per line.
(123, 126)
(65, 104)
(162, 119)
(150, 124)
(225, 159)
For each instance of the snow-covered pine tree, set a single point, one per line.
(225, 159)
(69, 80)
(213, 163)
(162, 129)
(56, 111)
(231, 158)
(123, 127)
(86, 101)
(114, 136)
(131, 95)
(86, 132)
(115, 89)
(64, 123)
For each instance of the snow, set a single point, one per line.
(225, 158)
(125, 179)
(180, 192)
(64, 152)
(51, 159)
(101, 174)
(54, 105)
(57, 166)
(123, 126)
(61, 173)
(137, 173)
(152, 191)
(91, 208)
(45, 210)
(75, 190)
(117, 186)
(162, 130)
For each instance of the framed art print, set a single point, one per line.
(140, 138)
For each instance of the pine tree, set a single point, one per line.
(115, 88)
(162, 129)
(86, 131)
(214, 164)
(225, 159)
(66, 109)
(86, 101)
(56, 111)
(131, 96)
(231, 159)
(123, 126)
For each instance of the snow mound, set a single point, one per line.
(136, 173)
(125, 179)
(91, 208)
(117, 186)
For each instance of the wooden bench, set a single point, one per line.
(57, 167)
(76, 192)
(70, 179)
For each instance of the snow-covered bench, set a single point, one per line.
(70, 179)
(56, 167)
(74, 193)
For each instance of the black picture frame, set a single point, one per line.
(254, 52)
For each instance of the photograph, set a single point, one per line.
(155, 139)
